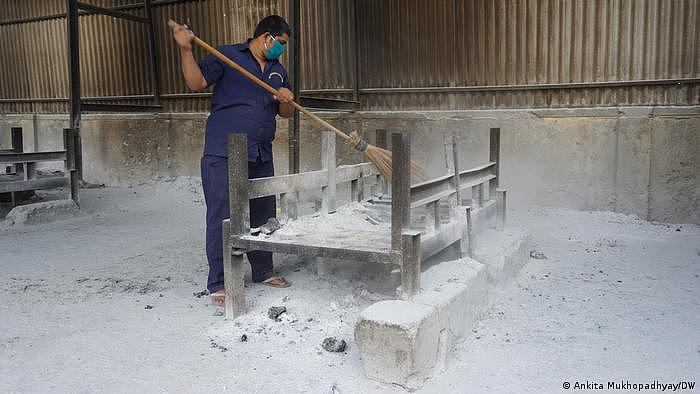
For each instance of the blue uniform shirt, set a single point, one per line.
(238, 105)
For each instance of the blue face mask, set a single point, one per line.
(275, 51)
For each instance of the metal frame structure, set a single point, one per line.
(23, 174)
(77, 105)
(84, 12)
(405, 244)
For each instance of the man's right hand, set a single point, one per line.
(183, 36)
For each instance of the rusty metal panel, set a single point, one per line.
(507, 42)
(446, 46)
(218, 22)
(10, 10)
(326, 46)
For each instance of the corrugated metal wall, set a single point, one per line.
(114, 52)
(413, 54)
(480, 44)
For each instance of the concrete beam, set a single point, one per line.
(42, 212)
(502, 252)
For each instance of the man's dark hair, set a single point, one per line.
(273, 24)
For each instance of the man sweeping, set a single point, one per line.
(239, 105)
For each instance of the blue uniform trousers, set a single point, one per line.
(215, 185)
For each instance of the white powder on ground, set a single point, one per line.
(616, 298)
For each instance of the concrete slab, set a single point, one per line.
(42, 212)
(502, 252)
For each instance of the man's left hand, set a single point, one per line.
(285, 95)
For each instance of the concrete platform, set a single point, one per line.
(407, 342)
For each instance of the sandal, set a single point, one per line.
(218, 298)
(276, 281)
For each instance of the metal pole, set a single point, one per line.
(356, 49)
(294, 47)
(73, 63)
(126, 7)
(153, 54)
(74, 80)
(17, 147)
(69, 145)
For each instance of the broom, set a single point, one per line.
(381, 158)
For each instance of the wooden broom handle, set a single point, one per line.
(257, 80)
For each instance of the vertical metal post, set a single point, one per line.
(17, 140)
(69, 144)
(237, 225)
(17, 144)
(153, 54)
(468, 237)
(357, 188)
(477, 196)
(234, 288)
(356, 48)
(381, 141)
(410, 264)
(502, 208)
(436, 215)
(74, 80)
(284, 207)
(238, 183)
(456, 178)
(494, 156)
(17, 147)
(294, 50)
(400, 187)
(328, 164)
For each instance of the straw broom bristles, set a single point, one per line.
(382, 159)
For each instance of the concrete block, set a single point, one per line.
(406, 342)
(42, 212)
(458, 291)
(398, 341)
(503, 252)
